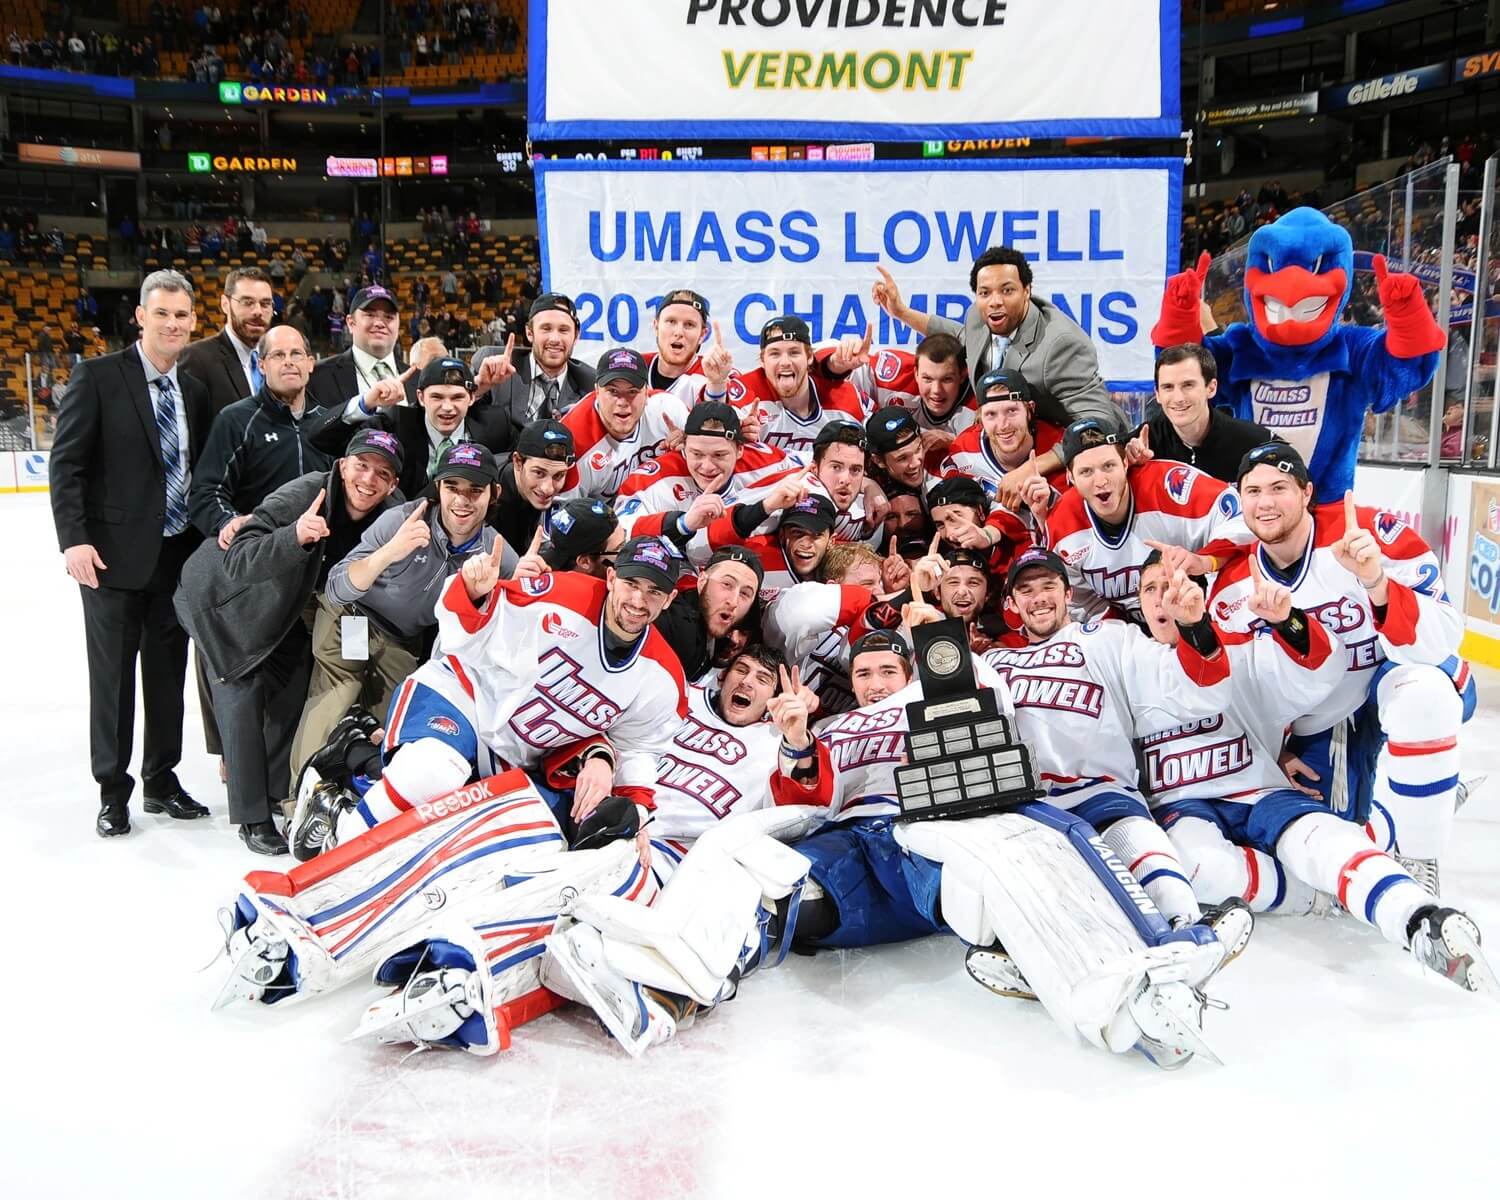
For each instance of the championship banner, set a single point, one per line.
(762, 239)
(897, 70)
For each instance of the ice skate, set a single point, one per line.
(259, 963)
(1170, 1017)
(996, 970)
(1447, 941)
(1232, 923)
(432, 1006)
(1424, 871)
(632, 1013)
(314, 826)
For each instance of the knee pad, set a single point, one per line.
(1418, 704)
(1214, 865)
(423, 770)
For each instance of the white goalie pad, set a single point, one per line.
(331, 919)
(690, 941)
(1010, 878)
(493, 948)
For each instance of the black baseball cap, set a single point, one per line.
(877, 640)
(891, 428)
(376, 441)
(1035, 556)
(712, 418)
(578, 527)
(546, 439)
(966, 556)
(552, 302)
(814, 513)
(963, 490)
(1012, 381)
(785, 329)
(685, 296)
(445, 371)
(371, 295)
(647, 558)
(1274, 454)
(467, 460)
(621, 363)
(1087, 434)
(842, 433)
(737, 554)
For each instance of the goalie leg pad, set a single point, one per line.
(344, 910)
(494, 947)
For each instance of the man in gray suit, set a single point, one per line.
(542, 383)
(1008, 327)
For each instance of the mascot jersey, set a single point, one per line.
(1293, 367)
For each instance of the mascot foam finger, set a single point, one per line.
(1294, 367)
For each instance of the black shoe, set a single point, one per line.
(261, 836)
(179, 806)
(112, 821)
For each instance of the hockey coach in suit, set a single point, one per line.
(127, 442)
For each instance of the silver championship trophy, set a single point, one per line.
(963, 757)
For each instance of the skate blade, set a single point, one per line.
(993, 982)
(582, 983)
(1174, 1015)
(1472, 970)
(387, 1015)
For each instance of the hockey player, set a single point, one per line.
(838, 471)
(1080, 692)
(617, 426)
(810, 623)
(584, 536)
(713, 460)
(535, 673)
(794, 552)
(897, 450)
(1242, 832)
(1105, 526)
(963, 516)
(677, 366)
(1007, 437)
(933, 383)
(1378, 588)
(787, 404)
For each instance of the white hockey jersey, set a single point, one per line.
(662, 485)
(809, 623)
(1233, 755)
(782, 429)
(1081, 695)
(532, 661)
(687, 387)
(859, 751)
(890, 377)
(711, 770)
(1169, 502)
(603, 461)
(1421, 625)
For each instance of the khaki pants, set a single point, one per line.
(338, 683)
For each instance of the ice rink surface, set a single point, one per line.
(884, 1072)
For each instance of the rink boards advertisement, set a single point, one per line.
(761, 239)
(883, 69)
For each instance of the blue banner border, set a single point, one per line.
(539, 128)
(542, 168)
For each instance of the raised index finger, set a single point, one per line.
(937, 539)
(417, 513)
(510, 344)
(1202, 269)
(317, 504)
(864, 346)
(408, 373)
(718, 335)
(1381, 270)
(1351, 515)
(536, 540)
(885, 275)
(1255, 576)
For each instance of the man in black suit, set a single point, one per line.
(228, 364)
(374, 328)
(127, 441)
(445, 414)
(543, 382)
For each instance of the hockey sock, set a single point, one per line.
(1416, 775)
(1336, 856)
(1220, 870)
(1143, 846)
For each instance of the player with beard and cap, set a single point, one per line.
(897, 450)
(784, 401)
(715, 615)
(546, 673)
(1219, 792)
(679, 364)
(1104, 527)
(1082, 691)
(541, 383)
(619, 425)
(963, 517)
(838, 471)
(714, 461)
(532, 480)
(933, 383)
(1388, 734)
(1006, 437)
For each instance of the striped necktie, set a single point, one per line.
(171, 458)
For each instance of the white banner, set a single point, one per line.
(763, 239)
(892, 69)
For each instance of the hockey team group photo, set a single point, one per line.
(617, 597)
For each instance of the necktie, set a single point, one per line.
(998, 344)
(544, 405)
(442, 448)
(171, 458)
(383, 372)
(257, 376)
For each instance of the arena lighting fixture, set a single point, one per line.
(963, 757)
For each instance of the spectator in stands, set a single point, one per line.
(118, 489)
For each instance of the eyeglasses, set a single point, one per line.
(252, 302)
(286, 355)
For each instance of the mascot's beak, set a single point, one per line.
(1293, 306)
